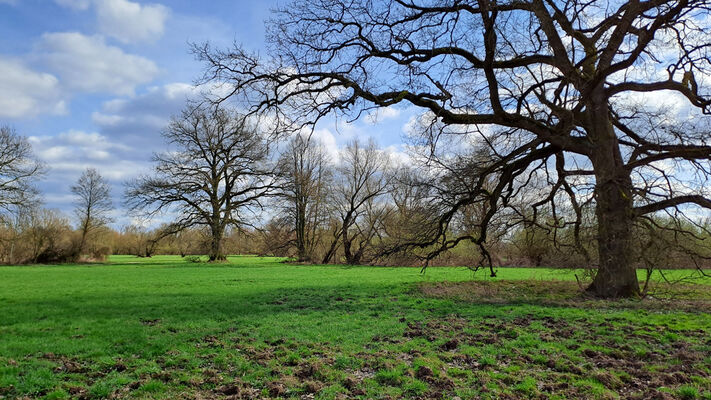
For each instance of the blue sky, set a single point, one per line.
(93, 82)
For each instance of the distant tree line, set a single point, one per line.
(229, 189)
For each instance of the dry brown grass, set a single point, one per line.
(682, 297)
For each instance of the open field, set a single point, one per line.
(258, 328)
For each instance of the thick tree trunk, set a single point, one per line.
(347, 253)
(616, 275)
(82, 240)
(216, 245)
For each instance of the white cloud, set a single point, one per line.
(26, 93)
(124, 20)
(328, 141)
(69, 153)
(398, 157)
(10, 2)
(381, 114)
(88, 64)
(131, 22)
(74, 146)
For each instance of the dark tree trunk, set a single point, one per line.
(358, 255)
(216, 244)
(616, 275)
(84, 234)
(347, 244)
(347, 250)
(301, 231)
(331, 251)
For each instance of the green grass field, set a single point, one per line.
(258, 328)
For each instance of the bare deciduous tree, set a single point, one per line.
(217, 170)
(362, 178)
(18, 169)
(92, 205)
(306, 171)
(554, 90)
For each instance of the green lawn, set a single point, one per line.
(258, 328)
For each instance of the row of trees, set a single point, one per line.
(222, 174)
(227, 191)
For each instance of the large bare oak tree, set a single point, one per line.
(216, 171)
(558, 88)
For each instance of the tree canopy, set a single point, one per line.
(217, 170)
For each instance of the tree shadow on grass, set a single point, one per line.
(223, 303)
(240, 302)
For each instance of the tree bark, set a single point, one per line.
(216, 245)
(616, 275)
(347, 250)
(301, 230)
(331, 250)
(347, 242)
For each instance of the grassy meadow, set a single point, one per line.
(259, 328)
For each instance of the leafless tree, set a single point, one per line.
(217, 170)
(92, 205)
(307, 173)
(557, 91)
(18, 170)
(362, 179)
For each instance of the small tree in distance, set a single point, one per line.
(92, 205)
(218, 168)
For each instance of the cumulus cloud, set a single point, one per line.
(76, 147)
(131, 22)
(328, 141)
(138, 121)
(26, 93)
(381, 114)
(141, 118)
(88, 64)
(398, 157)
(70, 153)
(124, 20)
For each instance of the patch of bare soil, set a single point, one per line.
(691, 298)
(619, 368)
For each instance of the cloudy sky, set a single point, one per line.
(93, 82)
